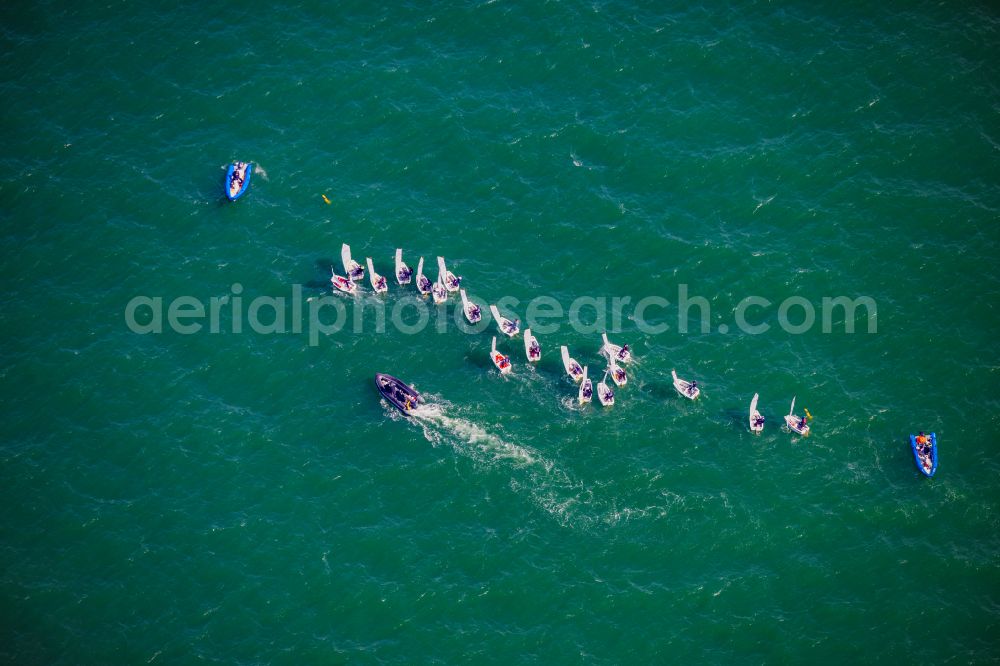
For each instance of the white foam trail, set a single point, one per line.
(570, 501)
(488, 447)
(762, 203)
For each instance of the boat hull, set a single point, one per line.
(229, 182)
(792, 422)
(397, 393)
(934, 455)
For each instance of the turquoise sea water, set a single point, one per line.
(246, 498)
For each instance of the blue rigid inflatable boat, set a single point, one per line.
(922, 462)
(234, 190)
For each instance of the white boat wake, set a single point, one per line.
(568, 500)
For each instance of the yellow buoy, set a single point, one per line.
(325, 199)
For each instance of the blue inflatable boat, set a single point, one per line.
(926, 457)
(238, 179)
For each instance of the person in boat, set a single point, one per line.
(474, 311)
(238, 173)
(921, 440)
(623, 352)
(692, 387)
(802, 423)
(758, 421)
(619, 374)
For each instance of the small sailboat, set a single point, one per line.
(403, 272)
(423, 282)
(351, 267)
(451, 283)
(796, 424)
(379, 283)
(238, 179)
(687, 389)
(439, 293)
(506, 326)
(756, 418)
(573, 369)
(471, 310)
(341, 283)
(502, 362)
(612, 351)
(586, 388)
(604, 392)
(531, 347)
(617, 372)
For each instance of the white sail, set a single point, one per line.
(531, 347)
(573, 368)
(756, 420)
(687, 389)
(403, 275)
(423, 284)
(506, 326)
(499, 360)
(351, 267)
(604, 392)
(378, 282)
(617, 372)
(471, 310)
(586, 388)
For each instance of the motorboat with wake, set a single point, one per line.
(617, 372)
(756, 418)
(532, 349)
(341, 283)
(797, 424)
(438, 291)
(397, 393)
(351, 267)
(423, 282)
(573, 369)
(925, 453)
(586, 388)
(687, 389)
(451, 283)
(604, 392)
(472, 311)
(403, 272)
(620, 354)
(506, 326)
(379, 283)
(238, 179)
(502, 362)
